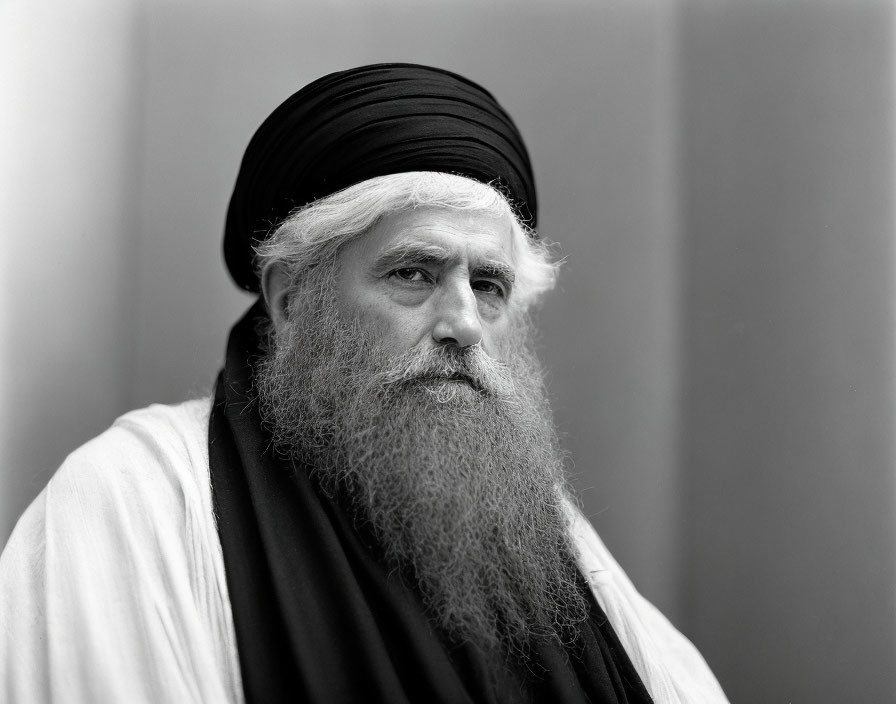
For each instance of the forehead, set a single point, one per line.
(468, 236)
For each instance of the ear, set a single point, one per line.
(275, 289)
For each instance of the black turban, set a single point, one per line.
(371, 121)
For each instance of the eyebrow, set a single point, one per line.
(495, 270)
(408, 253)
(413, 253)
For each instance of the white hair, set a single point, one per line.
(314, 234)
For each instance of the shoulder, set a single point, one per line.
(150, 461)
(113, 581)
(148, 445)
(148, 471)
(672, 669)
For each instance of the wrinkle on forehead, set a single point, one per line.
(481, 238)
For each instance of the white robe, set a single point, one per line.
(112, 586)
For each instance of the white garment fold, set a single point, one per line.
(112, 586)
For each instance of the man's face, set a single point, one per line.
(430, 277)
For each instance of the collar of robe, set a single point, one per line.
(318, 618)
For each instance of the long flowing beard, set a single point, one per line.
(449, 457)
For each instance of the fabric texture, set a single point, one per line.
(320, 618)
(353, 125)
(112, 586)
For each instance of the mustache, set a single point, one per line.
(446, 364)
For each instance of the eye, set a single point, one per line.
(489, 287)
(410, 275)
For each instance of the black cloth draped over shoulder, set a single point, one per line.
(319, 618)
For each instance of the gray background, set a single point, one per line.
(719, 174)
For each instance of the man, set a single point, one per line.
(373, 506)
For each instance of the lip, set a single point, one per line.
(450, 378)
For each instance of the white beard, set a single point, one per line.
(450, 457)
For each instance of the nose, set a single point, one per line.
(457, 316)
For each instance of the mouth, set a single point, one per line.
(450, 379)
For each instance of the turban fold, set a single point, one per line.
(371, 121)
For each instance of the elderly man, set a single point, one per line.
(373, 506)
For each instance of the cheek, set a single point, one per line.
(506, 334)
(397, 327)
